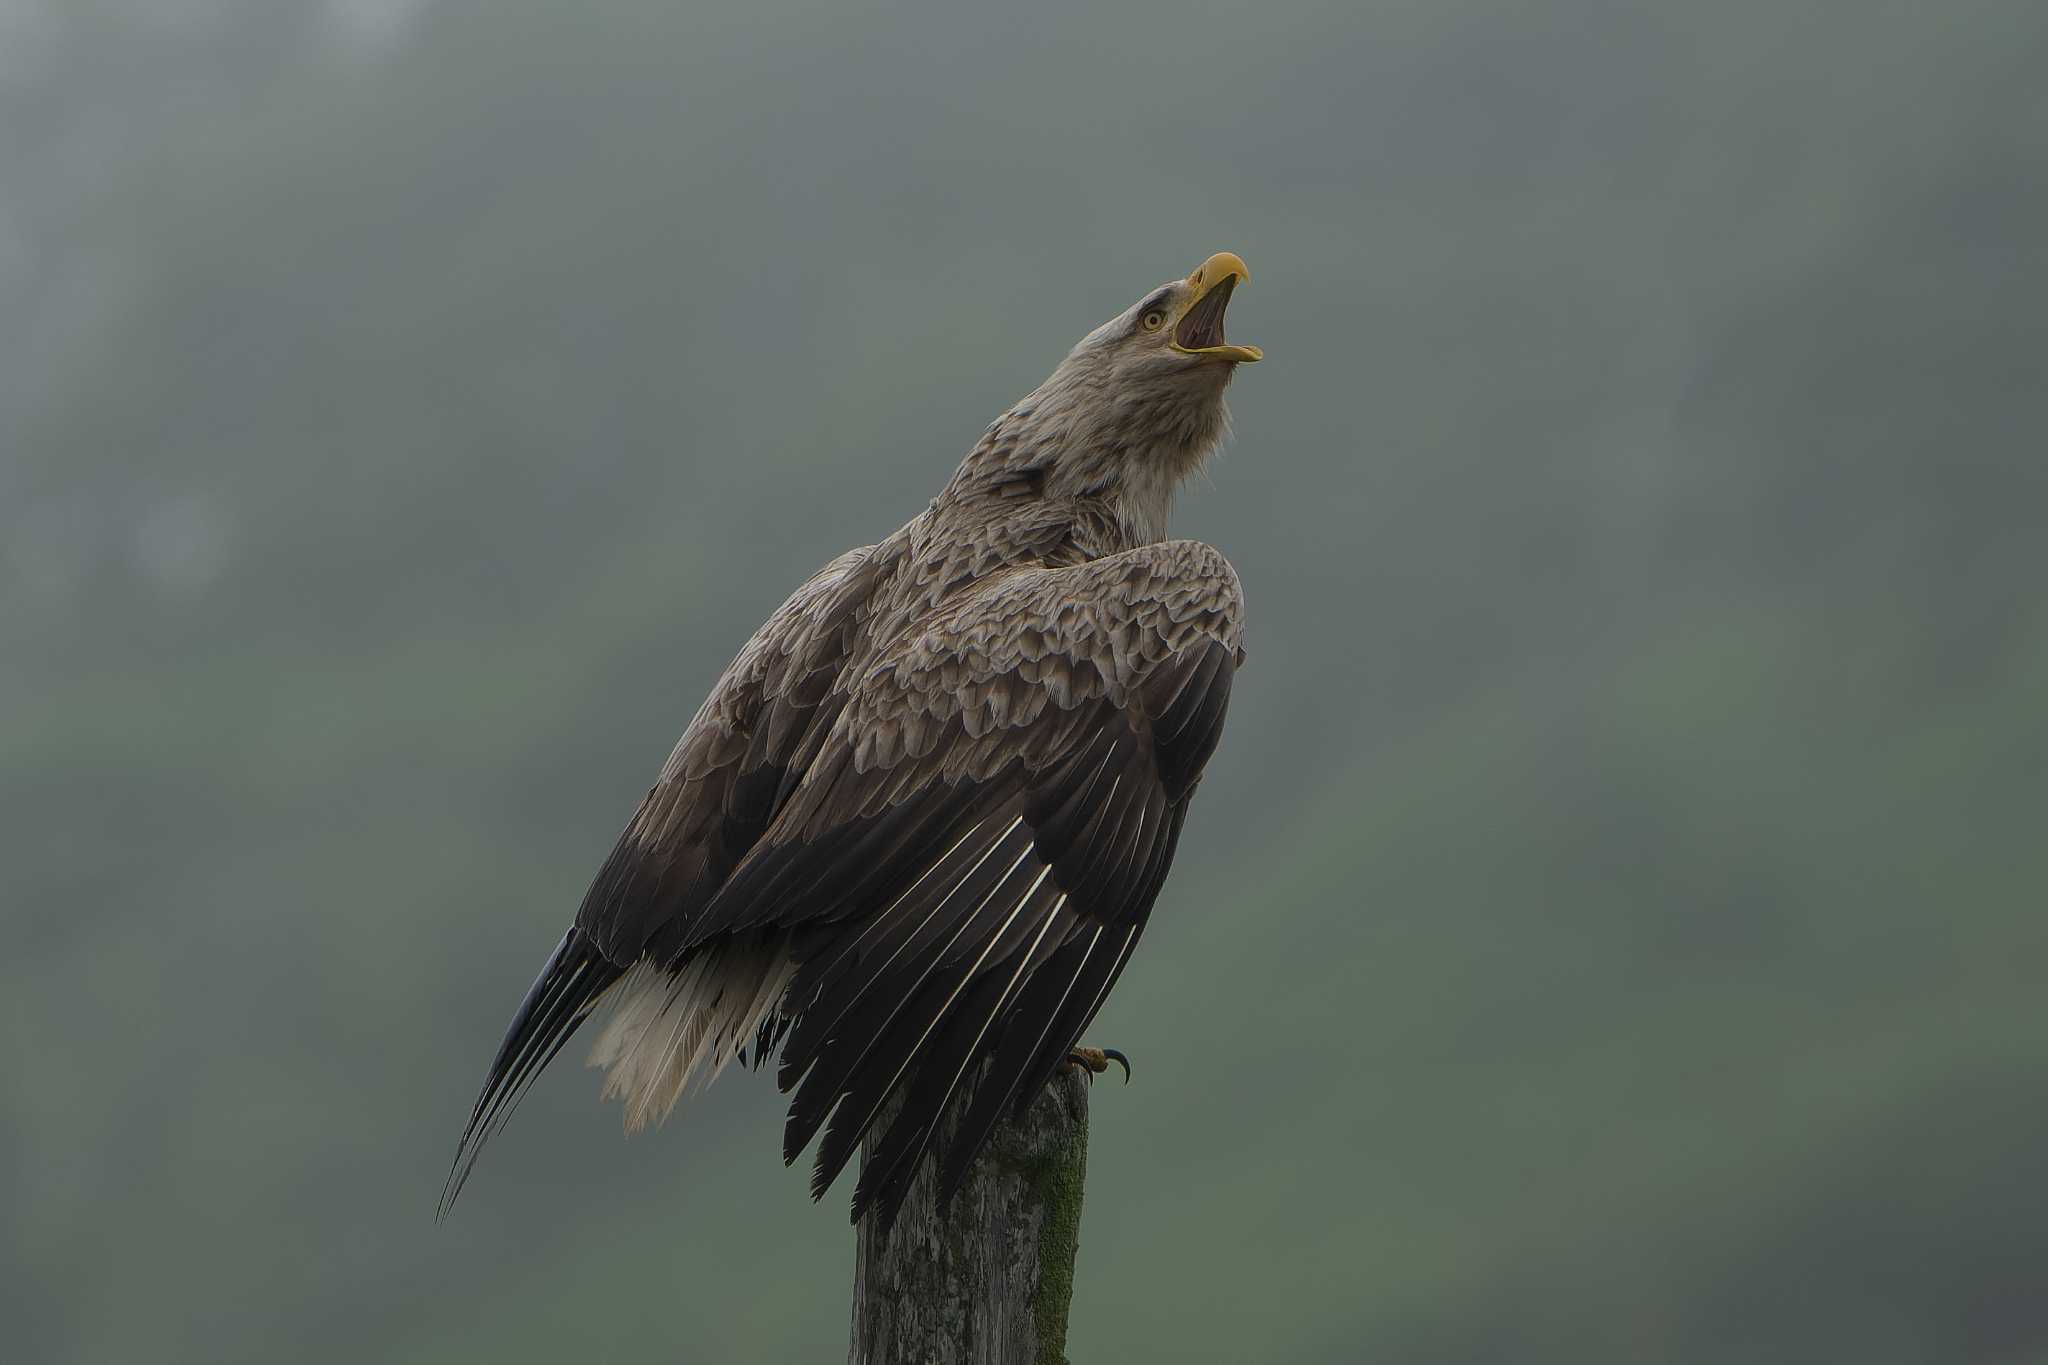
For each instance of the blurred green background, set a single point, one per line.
(1612, 930)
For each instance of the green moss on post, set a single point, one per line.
(1056, 1186)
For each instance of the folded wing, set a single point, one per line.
(717, 793)
(969, 858)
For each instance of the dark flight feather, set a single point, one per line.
(555, 1006)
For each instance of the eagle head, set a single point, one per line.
(1137, 405)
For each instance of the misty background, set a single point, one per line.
(1611, 931)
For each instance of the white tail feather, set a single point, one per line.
(671, 1034)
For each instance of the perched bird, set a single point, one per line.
(914, 833)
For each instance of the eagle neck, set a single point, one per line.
(1048, 449)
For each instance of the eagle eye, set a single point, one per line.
(1154, 320)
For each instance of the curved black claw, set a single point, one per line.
(1096, 1060)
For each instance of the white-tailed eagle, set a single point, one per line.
(913, 835)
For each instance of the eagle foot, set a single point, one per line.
(1096, 1060)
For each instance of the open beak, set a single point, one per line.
(1200, 329)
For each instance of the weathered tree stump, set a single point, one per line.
(990, 1282)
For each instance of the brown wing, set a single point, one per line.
(719, 789)
(967, 863)
(716, 794)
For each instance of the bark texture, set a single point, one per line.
(990, 1281)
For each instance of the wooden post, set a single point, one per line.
(990, 1282)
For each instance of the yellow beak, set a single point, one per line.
(1200, 328)
(1212, 271)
